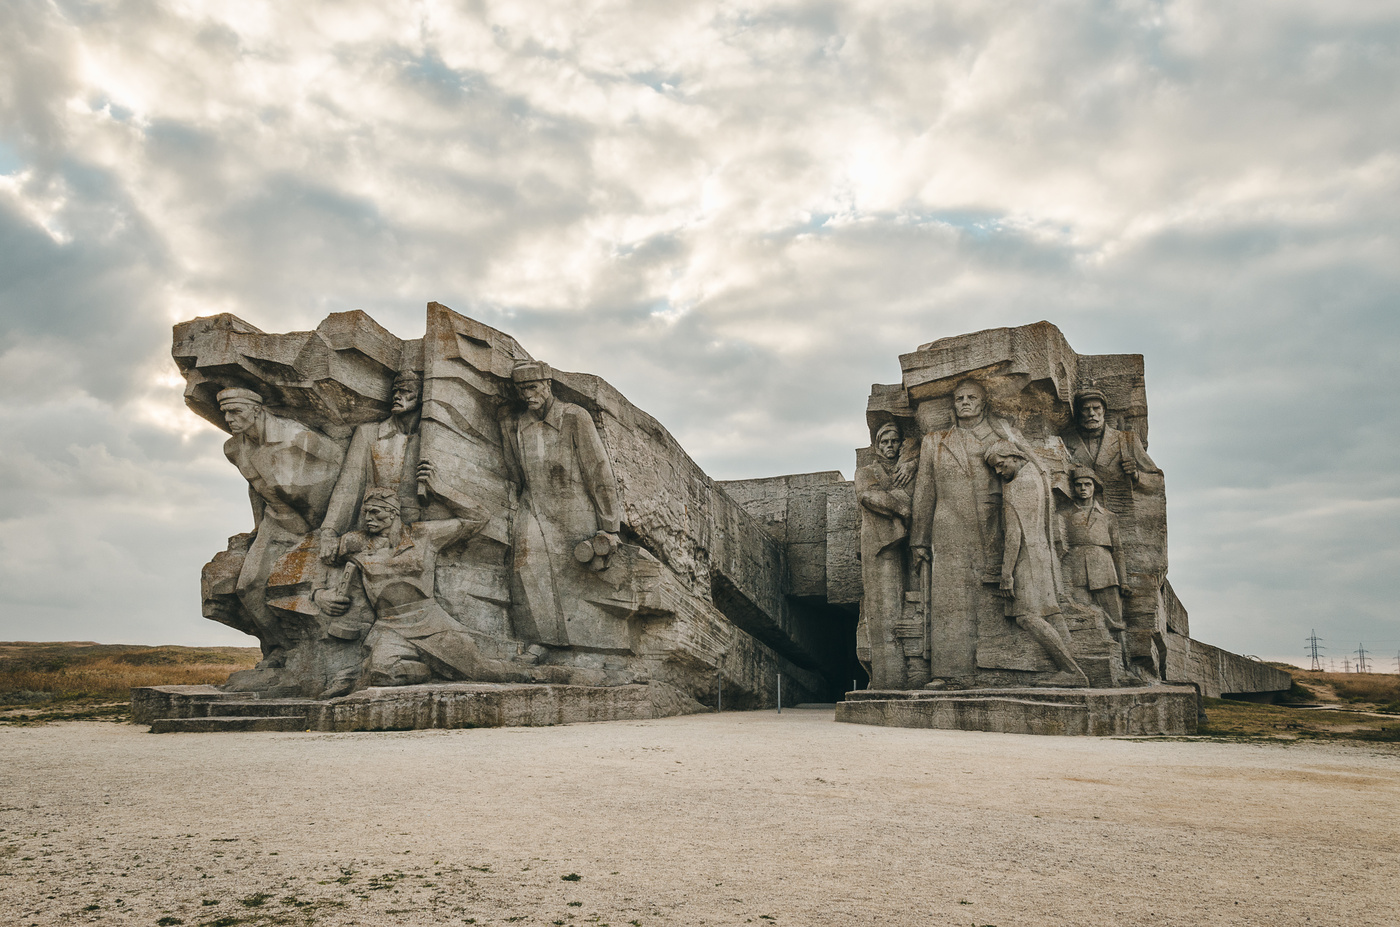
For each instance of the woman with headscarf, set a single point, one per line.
(884, 508)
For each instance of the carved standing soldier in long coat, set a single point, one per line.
(569, 495)
(955, 524)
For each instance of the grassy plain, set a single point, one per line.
(1328, 706)
(82, 680)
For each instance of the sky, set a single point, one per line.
(740, 215)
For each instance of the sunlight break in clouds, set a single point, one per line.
(738, 213)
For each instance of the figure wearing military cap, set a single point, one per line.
(382, 455)
(568, 496)
(1093, 568)
(290, 470)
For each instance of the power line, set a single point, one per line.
(1346, 664)
(1361, 665)
(1313, 647)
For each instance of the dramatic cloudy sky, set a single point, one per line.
(739, 214)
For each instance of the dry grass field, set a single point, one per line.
(57, 681)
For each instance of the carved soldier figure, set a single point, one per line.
(954, 527)
(413, 637)
(1029, 579)
(885, 508)
(1093, 567)
(1118, 457)
(1133, 491)
(568, 495)
(290, 470)
(382, 455)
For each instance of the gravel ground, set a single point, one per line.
(740, 818)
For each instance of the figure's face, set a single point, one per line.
(1007, 467)
(536, 394)
(240, 416)
(968, 401)
(1091, 415)
(379, 518)
(889, 445)
(1084, 489)
(405, 399)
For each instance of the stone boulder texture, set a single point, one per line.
(449, 511)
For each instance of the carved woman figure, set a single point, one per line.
(884, 518)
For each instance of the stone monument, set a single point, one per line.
(450, 532)
(1033, 594)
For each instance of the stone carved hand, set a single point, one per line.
(427, 475)
(904, 472)
(921, 555)
(1007, 589)
(332, 604)
(1130, 467)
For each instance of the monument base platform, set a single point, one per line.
(1091, 712)
(175, 709)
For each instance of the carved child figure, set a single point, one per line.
(1093, 567)
(1028, 581)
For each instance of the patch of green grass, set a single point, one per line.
(571, 877)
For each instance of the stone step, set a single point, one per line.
(259, 708)
(225, 723)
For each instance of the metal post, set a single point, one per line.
(719, 691)
(780, 693)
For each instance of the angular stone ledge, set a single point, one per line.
(171, 709)
(1081, 712)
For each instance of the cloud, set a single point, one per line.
(740, 214)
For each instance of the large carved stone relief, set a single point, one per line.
(1036, 529)
(453, 509)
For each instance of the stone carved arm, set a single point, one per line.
(1119, 564)
(259, 506)
(1137, 466)
(925, 499)
(598, 479)
(890, 504)
(1014, 538)
(470, 518)
(908, 466)
(349, 487)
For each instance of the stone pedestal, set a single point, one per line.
(179, 709)
(1094, 712)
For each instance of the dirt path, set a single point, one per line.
(746, 818)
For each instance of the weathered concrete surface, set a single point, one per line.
(1093, 712)
(174, 709)
(1220, 673)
